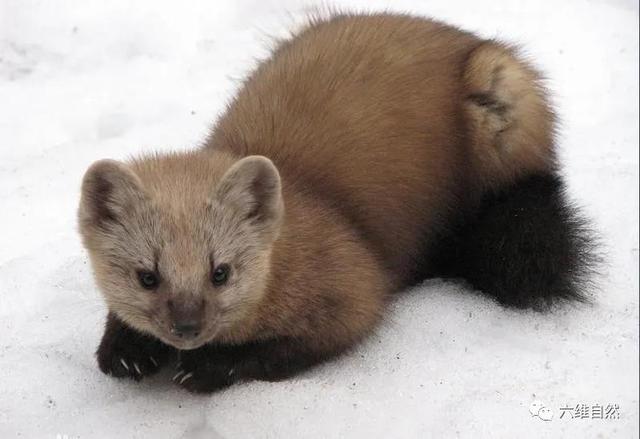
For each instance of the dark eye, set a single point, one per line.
(148, 280)
(220, 274)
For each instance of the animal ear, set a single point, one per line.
(110, 190)
(252, 186)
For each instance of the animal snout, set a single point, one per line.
(186, 329)
(186, 317)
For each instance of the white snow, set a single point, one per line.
(80, 81)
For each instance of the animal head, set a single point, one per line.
(180, 244)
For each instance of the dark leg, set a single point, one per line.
(214, 367)
(124, 352)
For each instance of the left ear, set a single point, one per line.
(252, 185)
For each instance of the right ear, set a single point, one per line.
(253, 186)
(109, 191)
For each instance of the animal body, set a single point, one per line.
(367, 153)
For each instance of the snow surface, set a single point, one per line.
(80, 81)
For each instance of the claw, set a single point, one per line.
(231, 371)
(135, 366)
(124, 364)
(153, 360)
(178, 375)
(186, 377)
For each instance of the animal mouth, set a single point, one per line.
(206, 335)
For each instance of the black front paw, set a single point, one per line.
(203, 371)
(214, 367)
(124, 352)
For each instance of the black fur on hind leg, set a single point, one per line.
(527, 246)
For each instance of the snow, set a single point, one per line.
(80, 81)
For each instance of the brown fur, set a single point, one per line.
(511, 123)
(380, 131)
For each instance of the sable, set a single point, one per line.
(369, 152)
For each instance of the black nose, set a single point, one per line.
(186, 329)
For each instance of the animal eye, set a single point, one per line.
(220, 274)
(148, 280)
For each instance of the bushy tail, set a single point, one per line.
(527, 246)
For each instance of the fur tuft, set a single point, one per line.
(511, 123)
(528, 246)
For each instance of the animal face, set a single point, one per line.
(181, 247)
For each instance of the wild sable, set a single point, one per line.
(368, 153)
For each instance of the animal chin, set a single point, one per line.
(188, 345)
(185, 344)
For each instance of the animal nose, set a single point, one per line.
(186, 329)
(187, 317)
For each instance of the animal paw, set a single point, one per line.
(126, 353)
(201, 373)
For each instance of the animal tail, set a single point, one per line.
(527, 246)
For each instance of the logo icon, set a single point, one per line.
(539, 410)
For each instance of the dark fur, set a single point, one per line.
(528, 246)
(211, 367)
(215, 366)
(122, 344)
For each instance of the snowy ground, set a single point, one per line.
(86, 80)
